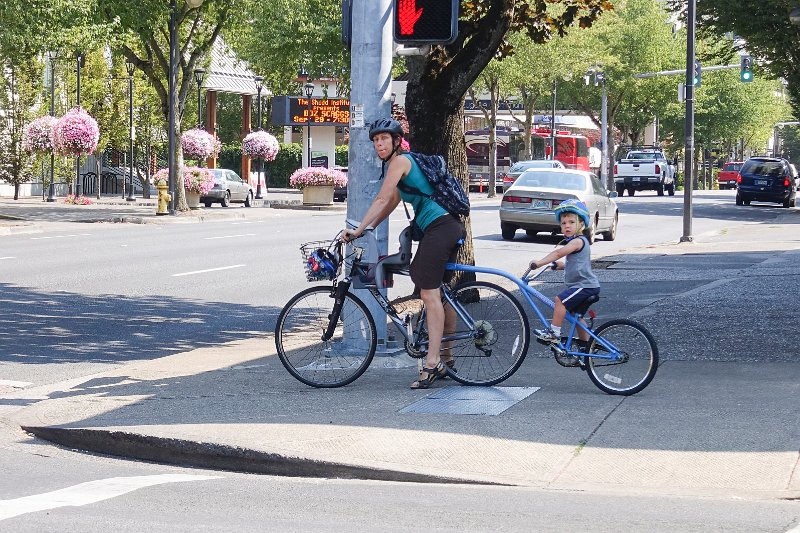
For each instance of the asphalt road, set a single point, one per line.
(94, 296)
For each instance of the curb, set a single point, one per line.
(221, 457)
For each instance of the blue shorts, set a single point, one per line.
(575, 296)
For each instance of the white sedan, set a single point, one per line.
(528, 204)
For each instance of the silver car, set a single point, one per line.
(228, 187)
(521, 166)
(528, 204)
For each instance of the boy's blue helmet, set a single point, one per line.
(573, 206)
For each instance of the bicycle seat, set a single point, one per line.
(581, 309)
(396, 262)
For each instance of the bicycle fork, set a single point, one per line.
(333, 318)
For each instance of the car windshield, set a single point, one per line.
(552, 180)
(643, 155)
(732, 166)
(763, 168)
(524, 165)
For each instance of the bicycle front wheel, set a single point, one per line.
(500, 336)
(339, 360)
(639, 358)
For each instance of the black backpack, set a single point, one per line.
(447, 190)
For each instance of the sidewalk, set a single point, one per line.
(720, 418)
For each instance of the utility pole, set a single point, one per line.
(371, 79)
(688, 178)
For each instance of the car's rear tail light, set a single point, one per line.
(615, 168)
(658, 168)
(516, 199)
(786, 182)
(738, 178)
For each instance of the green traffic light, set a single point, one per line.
(747, 76)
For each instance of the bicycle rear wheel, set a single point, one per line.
(501, 337)
(639, 362)
(332, 363)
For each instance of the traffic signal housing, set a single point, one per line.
(419, 22)
(698, 74)
(746, 70)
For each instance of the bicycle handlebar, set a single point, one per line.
(543, 269)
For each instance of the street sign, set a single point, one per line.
(357, 115)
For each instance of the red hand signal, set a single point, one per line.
(407, 16)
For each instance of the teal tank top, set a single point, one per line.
(425, 209)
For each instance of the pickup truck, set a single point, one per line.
(729, 174)
(644, 170)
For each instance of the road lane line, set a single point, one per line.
(90, 492)
(230, 236)
(15, 384)
(207, 270)
(61, 236)
(8, 257)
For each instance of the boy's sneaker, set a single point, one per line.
(546, 336)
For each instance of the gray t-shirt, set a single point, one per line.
(578, 268)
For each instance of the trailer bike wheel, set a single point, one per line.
(325, 363)
(638, 363)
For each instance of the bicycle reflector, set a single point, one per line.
(321, 264)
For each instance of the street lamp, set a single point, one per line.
(130, 67)
(309, 89)
(173, 96)
(259, 87)
(199, 74)
(51, 58)
(79, 62)
(553, 122)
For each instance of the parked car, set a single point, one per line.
(340, 193)
(528, 204)
(766, 179)
(521, 166)
(729, 175)
(228, 187)
(643, 170)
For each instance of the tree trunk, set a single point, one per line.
(180, 193)
(16, 191)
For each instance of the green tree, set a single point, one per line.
(18, 95)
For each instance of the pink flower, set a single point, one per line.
(304, 177)
(161, 175)
(199, 144)
(37, 136)
(405, 146)
(197, 179)
(77, 200)
(260, 144)
(76, 133)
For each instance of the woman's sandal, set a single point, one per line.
(433, 374)
(449, 363)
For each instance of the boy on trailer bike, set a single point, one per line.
(438, 246)
(581, 281)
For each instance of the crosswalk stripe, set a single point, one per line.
(89, 492)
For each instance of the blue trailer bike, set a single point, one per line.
(325, 336)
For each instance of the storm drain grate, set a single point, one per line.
(457, 400)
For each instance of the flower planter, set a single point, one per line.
(318, 195)
(192, 199)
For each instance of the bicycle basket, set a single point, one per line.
(319, 261)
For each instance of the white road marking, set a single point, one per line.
(230, 236)
(86, 493)
(8, 257)
(15, 384)
(207, 270)
(60, 236)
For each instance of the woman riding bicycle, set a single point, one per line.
(438, 246)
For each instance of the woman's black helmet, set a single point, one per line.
(385, 125)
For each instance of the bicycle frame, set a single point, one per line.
(530, 294)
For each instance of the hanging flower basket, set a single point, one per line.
(260, 144)
(199, 144)
(76, 133)
(37, 135)
(310, 176)
(197, 180)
